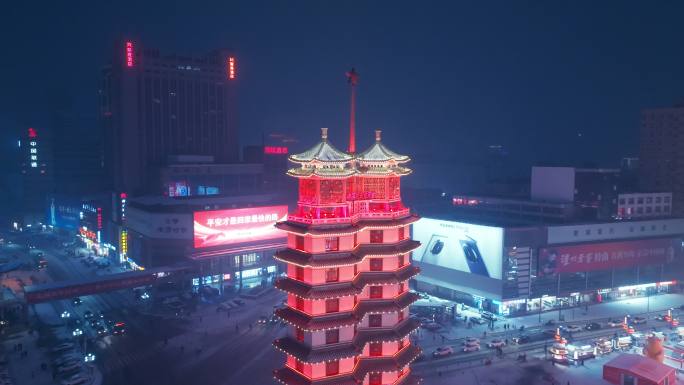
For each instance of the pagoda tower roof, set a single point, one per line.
(323, 152)
(378, 152)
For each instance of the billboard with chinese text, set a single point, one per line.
(602, 256)
(227, 227)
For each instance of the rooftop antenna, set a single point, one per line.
(353, 80)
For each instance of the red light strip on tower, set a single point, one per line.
(129, 54)
(232, 66)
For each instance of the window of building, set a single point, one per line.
(375, 349)
(299, 334)
(332, 336)
(375, 320)
(332, 244)
(640, 210)
(649, 209)
(299, 303)
(299, 273)
(649, 200)
(630, 201)
(401, 260)
(658, 199)
(611, 230)
(376, 264)
(376, 236)
(575, 233)
(640, 201)
(657, 209)
(401, 233)
(599, 231)
(332, 368)
(375, 379)
(653, 227)
(332, 305)
(666, 209)
(666, 199)
(643, 228)
(587, 231)
(332, 275)
(299, 242)
(622, 201)
(376, 292)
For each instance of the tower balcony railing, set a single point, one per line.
(350, 219)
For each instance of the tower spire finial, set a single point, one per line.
(353, 80)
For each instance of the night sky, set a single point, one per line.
(442, 79)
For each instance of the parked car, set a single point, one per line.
(471, 348)
(638, 320)
(88, 314)
(471, 340)
(263, 320)
(572, 328)
(101, 330)
(522, 339)
(496, 343)
(488, 316)
(119, 328)
(477, 320)
(592, 326)
(76, 301)
(443, 351)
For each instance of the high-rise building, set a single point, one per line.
(154, 106)
(348, 269)
(35, 180)
(661, 158)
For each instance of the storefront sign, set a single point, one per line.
(226, 227)
(602, 256)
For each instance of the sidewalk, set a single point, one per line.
(614, 309)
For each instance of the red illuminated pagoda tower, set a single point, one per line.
(348, 268)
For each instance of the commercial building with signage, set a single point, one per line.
(520, 269)
(230, 241)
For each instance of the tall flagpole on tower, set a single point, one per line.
(353, 80)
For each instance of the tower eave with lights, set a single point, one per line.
(348, 267)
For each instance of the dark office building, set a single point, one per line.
(661, 157)
(155, 106)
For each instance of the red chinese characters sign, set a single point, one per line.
(601, 256)
(227, 227)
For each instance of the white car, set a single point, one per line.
(443, 351)
(471, 341)
(471, 348)
(573, 328)
(496, 343)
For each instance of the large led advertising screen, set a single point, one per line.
(602, 256)
(460, 246)
(227, 227)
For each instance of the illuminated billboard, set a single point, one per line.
(460, 246)
(228, 227)
(603, 256)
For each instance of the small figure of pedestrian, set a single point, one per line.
(442, 339)
(485, 333)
